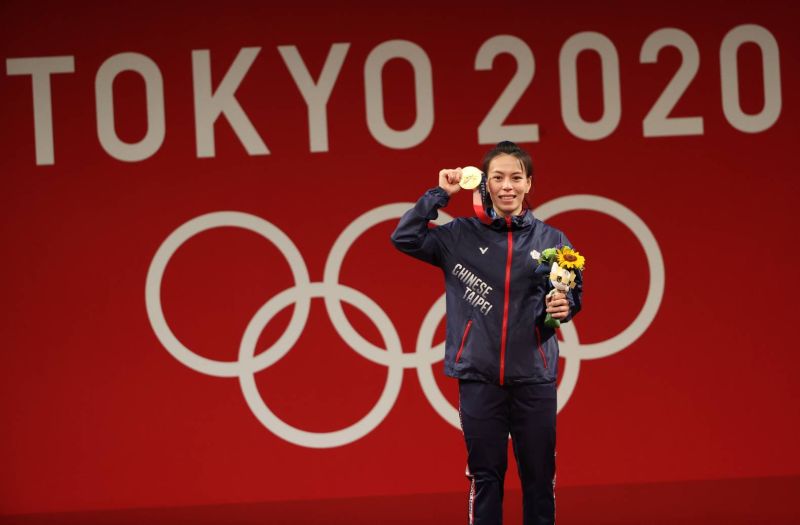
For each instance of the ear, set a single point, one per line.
(530, 185)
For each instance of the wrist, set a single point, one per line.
(441, 191)
(446, 190)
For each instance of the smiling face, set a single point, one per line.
(508, 183)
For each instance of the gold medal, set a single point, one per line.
(470, 178)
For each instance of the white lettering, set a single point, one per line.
(568, 70)
(423, 90)
(316, 94)
(104, 100)
(208, 105)
(40, 69)
(771, 77)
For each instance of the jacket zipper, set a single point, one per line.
(463, 340)
(505, 302)
(539, 346)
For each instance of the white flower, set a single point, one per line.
(535, 255)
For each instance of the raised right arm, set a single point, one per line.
(412, 235)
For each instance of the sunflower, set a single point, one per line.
(570, 259)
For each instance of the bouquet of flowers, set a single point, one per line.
(561, 262)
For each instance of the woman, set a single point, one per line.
(504, 356)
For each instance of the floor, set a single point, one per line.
(764, 501)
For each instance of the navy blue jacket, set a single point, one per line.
(495, 302)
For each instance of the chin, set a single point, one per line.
(506, 211)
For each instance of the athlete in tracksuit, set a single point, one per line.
(497, 345)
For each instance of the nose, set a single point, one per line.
(506, 184)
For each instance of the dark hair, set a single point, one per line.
(509, 148)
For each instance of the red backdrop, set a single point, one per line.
(97, 413)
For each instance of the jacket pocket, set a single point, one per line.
(539, 346)
(463, 340)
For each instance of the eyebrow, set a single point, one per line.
(517, 172)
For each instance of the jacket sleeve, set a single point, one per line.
(412, 235)
(575, 295)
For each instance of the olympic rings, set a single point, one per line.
(392, 357)
(168, 248)
(368, 422)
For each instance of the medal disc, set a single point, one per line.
(470, 178)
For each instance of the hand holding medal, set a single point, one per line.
(469, 178)
(460, 178)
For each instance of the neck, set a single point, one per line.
(510, 214)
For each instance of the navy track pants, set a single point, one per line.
(489, 413)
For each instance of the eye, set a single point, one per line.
(558, 279)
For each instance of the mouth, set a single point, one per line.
(507, 198)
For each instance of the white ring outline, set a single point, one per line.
(331, 278)
(335, 438)
(655, 264)
(155, 275)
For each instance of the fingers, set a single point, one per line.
(558, 312)
(451, 176)
(454, 176)
(552, 309)
(558, 305)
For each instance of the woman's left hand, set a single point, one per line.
(557, 305)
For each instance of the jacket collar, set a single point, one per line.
(518, 222)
